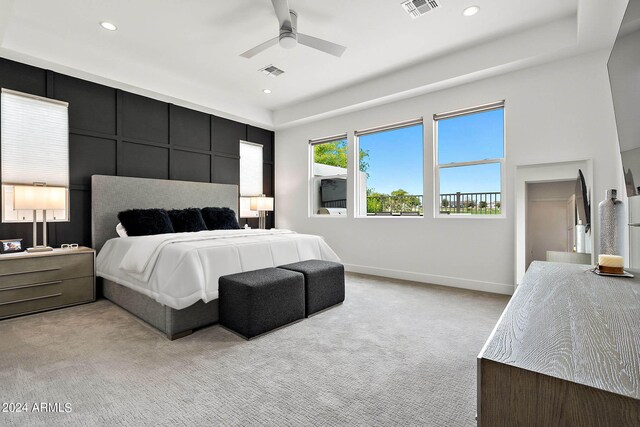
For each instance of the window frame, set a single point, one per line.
(499, 105)
(244, 210)
(311, 187)
(356, 166)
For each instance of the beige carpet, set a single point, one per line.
(395, 353)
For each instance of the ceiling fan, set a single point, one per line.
(289, 36)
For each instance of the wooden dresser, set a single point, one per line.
(566, 352)
(42, 281)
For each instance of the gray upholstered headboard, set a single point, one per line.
(113, 194)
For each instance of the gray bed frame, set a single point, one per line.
(113, 194)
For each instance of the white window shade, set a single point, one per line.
(250, 169)
(35, 140)
(250, 177)
(34, 149)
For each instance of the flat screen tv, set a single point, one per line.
(582, 202)
(333, 190)
(624, 76)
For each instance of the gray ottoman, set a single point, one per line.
(255, 302)
(323, 282)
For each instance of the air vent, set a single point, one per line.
(417, 8)
(271, 71)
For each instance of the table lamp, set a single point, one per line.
(262, 204)
(35, 198)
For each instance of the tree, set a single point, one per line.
(375, 201)
(445, 203)
(498, 205)
(398, 201)
(402, 201)
(362, 162)
(335, 154)
(482, 204)
(470, 204)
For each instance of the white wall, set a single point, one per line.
(560, 190)
(550, 219)
(547, 229)
(556, 112)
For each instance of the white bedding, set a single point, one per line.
(180, 269)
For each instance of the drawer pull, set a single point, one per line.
(30, 271)
(31, 299)
(34, 285)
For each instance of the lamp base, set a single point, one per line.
(262, 220)
(40, 249)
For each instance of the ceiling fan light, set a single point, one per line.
(288, 40)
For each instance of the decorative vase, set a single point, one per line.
(610, 224)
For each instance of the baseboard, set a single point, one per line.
(476, 285)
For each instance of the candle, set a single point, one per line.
(613, 264)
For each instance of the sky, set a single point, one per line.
(395, 160)
(396, 156)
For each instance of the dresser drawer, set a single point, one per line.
(40, 269)
(42, 296)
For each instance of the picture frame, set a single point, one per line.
(8, 246)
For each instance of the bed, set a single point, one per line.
(170, 281)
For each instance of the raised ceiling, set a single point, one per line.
(188, 51)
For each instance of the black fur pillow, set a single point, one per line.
(187, 220)
(220, 219)
(145, 222)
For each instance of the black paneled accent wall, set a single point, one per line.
(113, 132)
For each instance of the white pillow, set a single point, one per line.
(122, 232)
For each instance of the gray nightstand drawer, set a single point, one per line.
(42, 296)
(40, 269)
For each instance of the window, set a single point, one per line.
(470, 161)
(35, 148)
(250, 176)
(390, 170)
(329, 176)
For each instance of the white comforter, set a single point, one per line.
(180, 269)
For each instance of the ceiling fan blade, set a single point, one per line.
(323, 45)
(282, 12)
(260, 48)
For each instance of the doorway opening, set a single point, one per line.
(551, 224)
(557, 238)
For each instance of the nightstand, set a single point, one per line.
(41, 281)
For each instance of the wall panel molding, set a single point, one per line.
(113, 132)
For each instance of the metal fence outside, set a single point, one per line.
(471, 203)
(411, 204)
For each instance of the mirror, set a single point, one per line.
(624, 75)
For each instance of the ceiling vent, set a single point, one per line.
(417, 8)
(271, 71)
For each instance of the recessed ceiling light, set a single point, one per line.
(108, 26)
(266, 90)
(471, 10)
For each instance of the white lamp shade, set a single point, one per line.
(39, 198)
(262, 203)
(245, 208)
